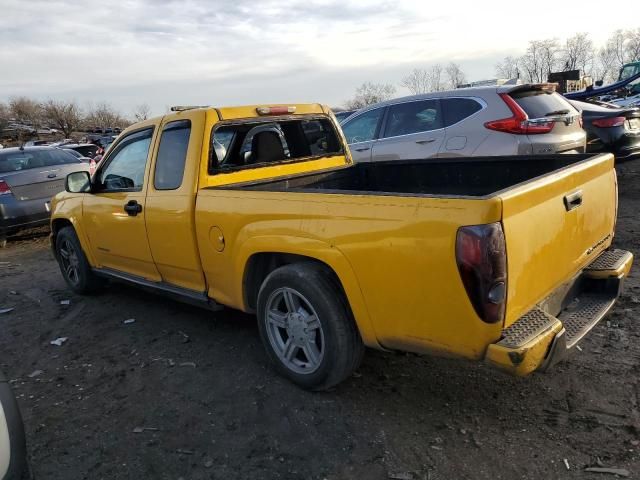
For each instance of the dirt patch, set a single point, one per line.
(185, 393)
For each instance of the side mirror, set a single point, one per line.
(599, 83)
(78, 182)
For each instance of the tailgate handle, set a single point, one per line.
(573, 200)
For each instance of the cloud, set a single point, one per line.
(230, 52)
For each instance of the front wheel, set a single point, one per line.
(307, 327)
(73, 263)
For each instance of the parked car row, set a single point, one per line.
(504, 120)
(29, 177)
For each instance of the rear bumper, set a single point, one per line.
(540, 339)
(17, 214)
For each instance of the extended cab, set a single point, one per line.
(502, 259)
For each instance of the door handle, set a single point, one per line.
(572, 200)
(422, 142)
(362, 149)
(133, 208)
(52, 175)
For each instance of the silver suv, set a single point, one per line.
(504, 120)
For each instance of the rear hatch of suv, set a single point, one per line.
(551, 123)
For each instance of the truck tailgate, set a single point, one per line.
(554, 226)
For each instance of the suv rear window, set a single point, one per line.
(16, 160)
(259, 143)
(541, 103)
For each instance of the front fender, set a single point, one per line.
(65, 208)
(317, 250)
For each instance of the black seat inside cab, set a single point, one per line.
(266, 147)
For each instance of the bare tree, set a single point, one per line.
(508, 68)
(605, 65)
(435, 74)
(369, 93)
(104, 115)
(418, 81)
(455, 75)
(65, 116)
(24, 109)
(633, 45)
(540, 59)
(141, 112)
(577, 53)
(4, 116)
(617, 45)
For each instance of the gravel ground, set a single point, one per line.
(183, 393)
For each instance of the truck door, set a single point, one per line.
(171, 201)
(114, 213)
(412, 130)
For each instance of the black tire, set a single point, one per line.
(342, 346)
(83, 280)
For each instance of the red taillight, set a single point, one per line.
(609, 122)
(279, 110)
(482, 263)
(519, 123)
(4, 188)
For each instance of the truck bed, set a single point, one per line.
(442, 177)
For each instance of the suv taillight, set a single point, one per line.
(482, 263)
(4, 188)
(519, 123)
(609, 122)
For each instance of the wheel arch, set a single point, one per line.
(58, 223)
(260, 259)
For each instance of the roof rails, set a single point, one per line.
(182, 108)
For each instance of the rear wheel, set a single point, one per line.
(307, 327)
(73, 263)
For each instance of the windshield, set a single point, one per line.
(629, 71)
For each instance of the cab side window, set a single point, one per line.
(125, 166)
(413, 117)
(363, 127)
(172, 155)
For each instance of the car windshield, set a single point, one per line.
(629, 71)
(16, 160)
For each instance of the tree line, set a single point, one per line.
(65, 116)
(540, 58)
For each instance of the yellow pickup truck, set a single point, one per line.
(261, 209)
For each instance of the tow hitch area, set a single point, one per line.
(539, 340)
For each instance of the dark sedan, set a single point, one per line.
(29, 177)
(610, 128)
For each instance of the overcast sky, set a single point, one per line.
(165, 52)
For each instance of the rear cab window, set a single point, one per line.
(542, 103)
(266, 141)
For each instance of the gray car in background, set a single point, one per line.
(29, 177)
(480, 121)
